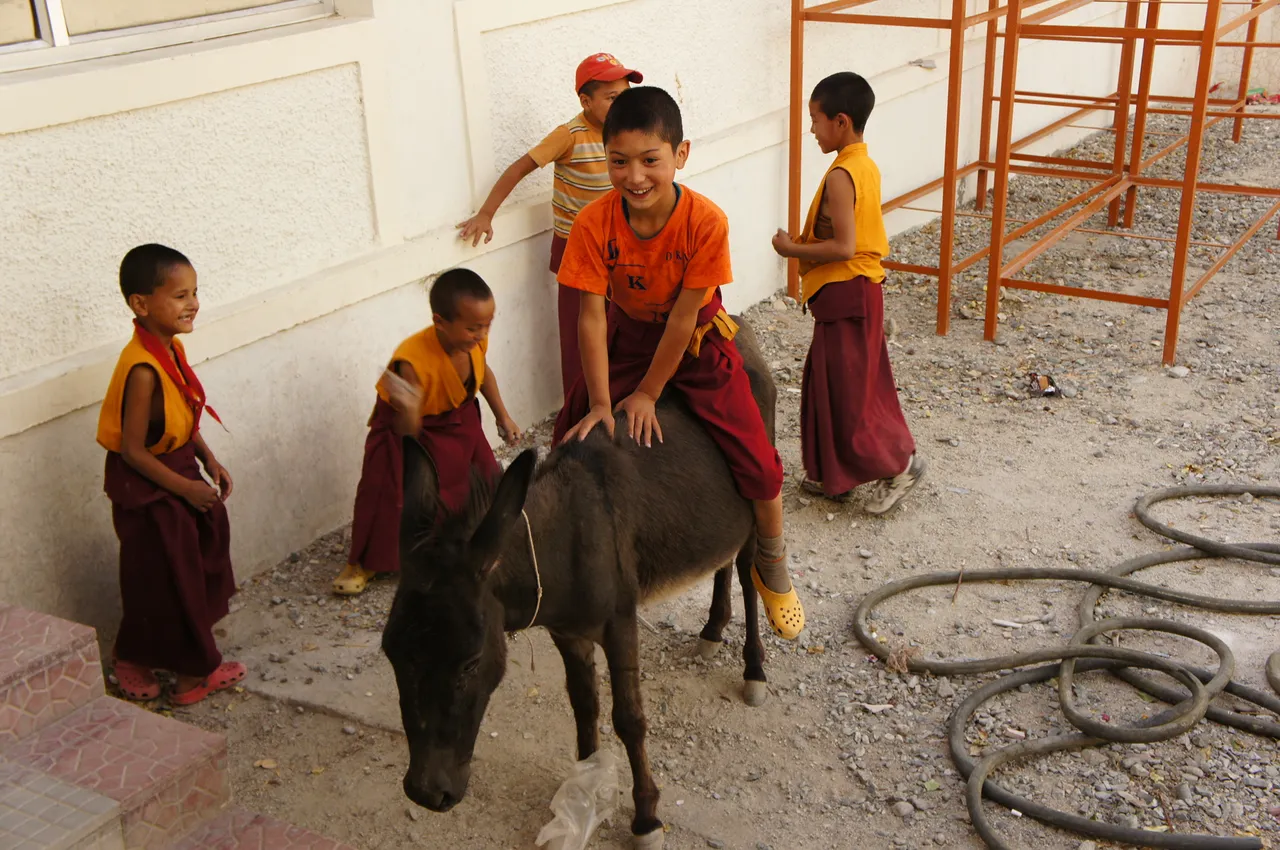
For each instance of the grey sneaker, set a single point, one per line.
(889, 491)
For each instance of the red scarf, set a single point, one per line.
(180, 373)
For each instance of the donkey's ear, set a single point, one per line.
(421, 495)
(508, 503)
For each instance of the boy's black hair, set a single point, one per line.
(454, 285)
(144, 268)
(590, 87)
(847, 93)
(648, 109)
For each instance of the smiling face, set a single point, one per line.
(642, 166)
(470, 325)
(831, 132)
(172, 306)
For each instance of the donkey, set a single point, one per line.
(573, 546)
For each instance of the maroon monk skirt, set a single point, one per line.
(455, 442)
(851, 425)
(714, 384)
(175, 568)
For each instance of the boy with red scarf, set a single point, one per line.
(175, 561)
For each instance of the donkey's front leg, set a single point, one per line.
(579, 656)
(622, 649)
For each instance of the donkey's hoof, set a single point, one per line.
(707, 649)
(754, 692)
(652, 841)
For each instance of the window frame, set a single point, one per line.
(56, 46)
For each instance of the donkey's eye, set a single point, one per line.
(471, 666)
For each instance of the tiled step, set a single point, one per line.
(165, 776)
(48, 669)
(38, 812)
(241, 830)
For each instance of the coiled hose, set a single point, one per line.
(1084, 652)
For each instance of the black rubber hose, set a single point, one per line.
(1246, 552)
(1188, 706)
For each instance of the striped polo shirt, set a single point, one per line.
(581, 172)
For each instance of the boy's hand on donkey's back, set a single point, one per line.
(642, 418)
(598, 414)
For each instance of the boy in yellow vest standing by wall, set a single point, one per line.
(852, 430)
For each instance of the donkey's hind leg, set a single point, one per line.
(754, 682)
(579, 656)
(712, 636)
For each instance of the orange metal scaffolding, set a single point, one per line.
(1115, 183)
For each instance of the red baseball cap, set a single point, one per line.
(605, 68)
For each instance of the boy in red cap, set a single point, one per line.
(581, 176)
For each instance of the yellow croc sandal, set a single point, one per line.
(784, 611)
(352, 580)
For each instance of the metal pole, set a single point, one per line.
(1004, 136)
(1186, 214)
(794, 137)
(1140, 118)
(946, 244)
(1246, 63)
(988, 91)
(1124, 91)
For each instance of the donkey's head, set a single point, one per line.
(444, 635)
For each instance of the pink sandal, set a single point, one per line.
(135, 681)
(227, 674)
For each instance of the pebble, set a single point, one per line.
(1179, 371)
(715, 843)
(865, 553)
(348, 730)
(903, 809)
(945, 690)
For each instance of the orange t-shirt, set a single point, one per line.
(644, 276)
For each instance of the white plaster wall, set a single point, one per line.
(1265, 68)
(258, 186)
(268, 187)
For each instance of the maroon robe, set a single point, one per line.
(455, 441)
(175, 568)
(567, 301)
(851, 425)
(714, 384)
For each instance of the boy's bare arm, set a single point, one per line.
(594, 343)
(507, 427)
(218, 472)
(839, 201)
(481, 224)
(640, 406)
(139, 388)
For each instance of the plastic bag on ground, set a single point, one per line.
(584, 801)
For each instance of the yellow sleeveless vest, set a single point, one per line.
(871, 243)
(179, 419)
(442, 389)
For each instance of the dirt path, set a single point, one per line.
(1014, 480)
